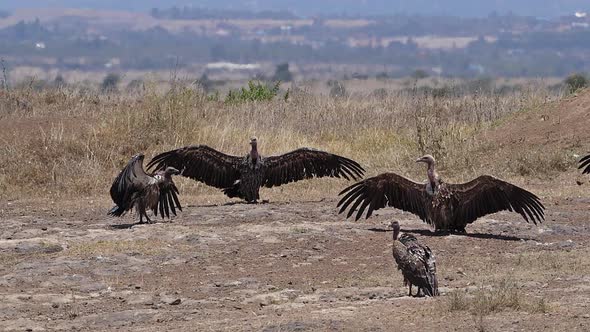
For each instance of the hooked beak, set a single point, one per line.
(420, 160)
(174, 171)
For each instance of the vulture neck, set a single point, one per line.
(432, 176)
(254, 153)
(395, 232)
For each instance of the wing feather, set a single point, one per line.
(306, 163)
(201, 163)
(131, 181)
(487, 194)
(387, 189)
(585, 164)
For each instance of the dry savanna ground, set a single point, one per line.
(292, 264)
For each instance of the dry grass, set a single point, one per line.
(72, 142)
(112, 247)
(500, 296)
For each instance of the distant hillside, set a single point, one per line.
(539, 8)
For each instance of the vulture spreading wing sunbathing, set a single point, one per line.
(242, 176)
(449, 207)
(134, 188)
(585, 164)
(416, 261)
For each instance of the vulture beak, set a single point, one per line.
(420, 160)
(173, 171)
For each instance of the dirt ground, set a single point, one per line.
(286, 266)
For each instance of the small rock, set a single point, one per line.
(176, 302)
(55, 305)
(586, 316)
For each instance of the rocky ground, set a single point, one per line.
(286, 267)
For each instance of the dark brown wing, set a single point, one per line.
(387, 189)
(585, 164)
(425, 266)
(487, 194)
(306, 163)
(201, 163)
(131, 180)
(168, 199)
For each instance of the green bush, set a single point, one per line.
(256, 91)
(575, 82)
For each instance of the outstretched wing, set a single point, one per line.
(168, 199)
(130, 180)
(201, 163)
(387, 189)
(487, 194)
(306, 163)
(585, 164)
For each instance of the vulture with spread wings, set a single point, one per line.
(449, 207)
(242, 176)
(416, 261)
(134, 188)
(585, 164)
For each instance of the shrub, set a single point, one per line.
(256, 91)
(575, 82)
(110, 83)
(282, 73)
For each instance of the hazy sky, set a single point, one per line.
(542, 8)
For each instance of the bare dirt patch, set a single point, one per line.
(287, 267)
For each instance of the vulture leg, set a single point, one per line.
(410, 292)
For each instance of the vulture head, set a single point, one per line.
(428, 159)
(395, 226)
(253, 141)
(171, 171)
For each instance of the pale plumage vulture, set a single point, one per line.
(242, 176)
(134, 188)
(448, 207)
(416, 262)
(585, 164)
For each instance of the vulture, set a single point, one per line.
(416, 261)
(449, 207)
(585, 164)
(242, 176)
(134, 188)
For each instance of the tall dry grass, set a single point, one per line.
(71, 142)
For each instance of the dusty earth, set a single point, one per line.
(286, 266)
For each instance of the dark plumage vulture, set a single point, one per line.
(449, 207)
(416, 261)
(242, 176)
(134, 188)
(585, 164)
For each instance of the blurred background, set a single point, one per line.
(221, 44)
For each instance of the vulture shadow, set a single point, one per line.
(426, 232)
(124, 226)
(128, 226)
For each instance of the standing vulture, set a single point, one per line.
(242, 176)
(449, 207)
(134, 188)
(416, 261)
(585, 164)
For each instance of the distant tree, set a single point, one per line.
(575, 82)
(110, 83)
(282, 73)
(59, 81)
(419, 74)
